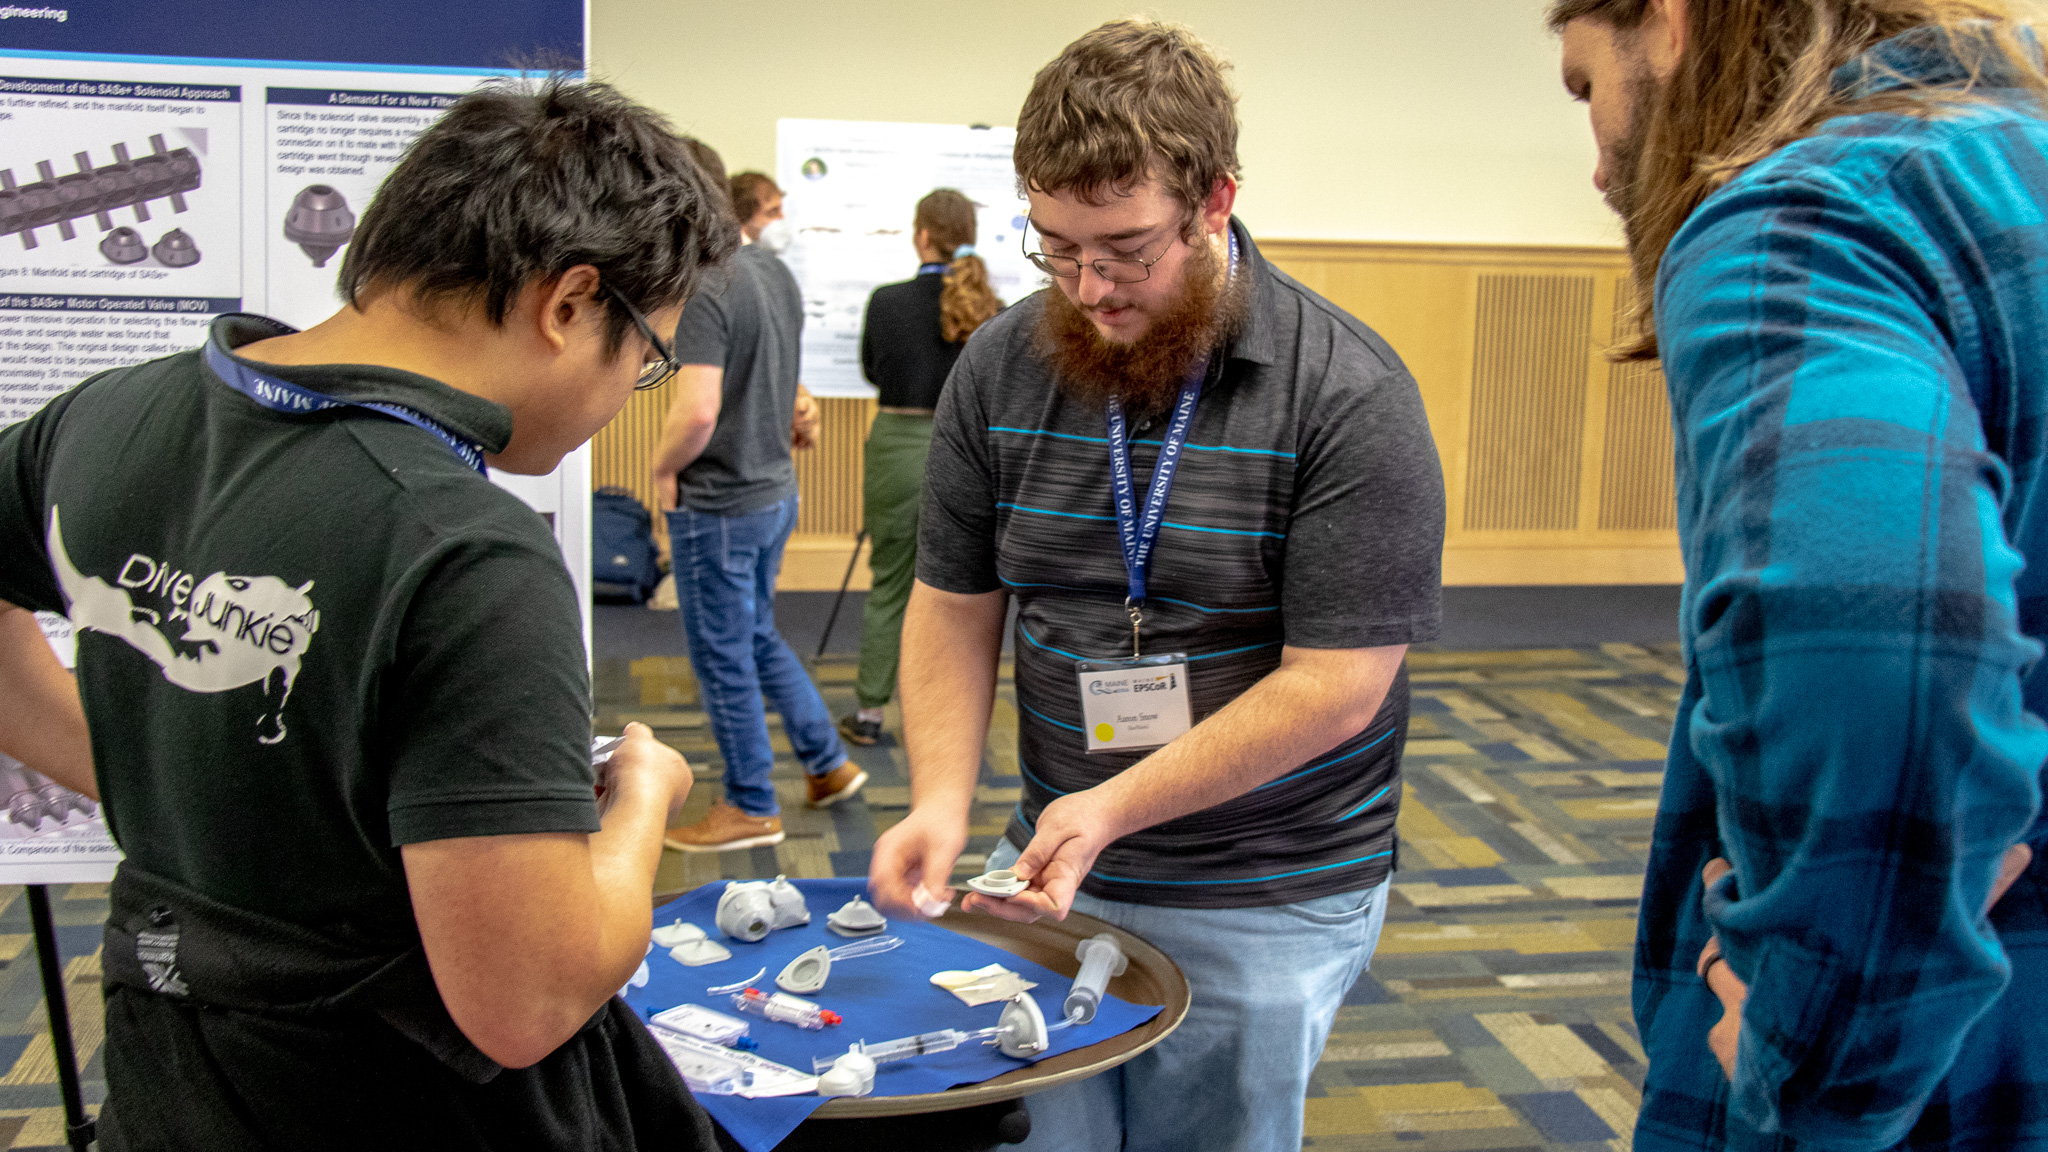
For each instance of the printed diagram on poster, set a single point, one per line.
(850, 188)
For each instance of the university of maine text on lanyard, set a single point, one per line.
(1139, 532)
(285, 396)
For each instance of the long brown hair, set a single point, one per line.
(1757, 75)
(966, 302)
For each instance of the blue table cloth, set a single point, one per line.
(881, 997)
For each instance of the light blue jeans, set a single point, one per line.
(725, 584)
(1266, 985)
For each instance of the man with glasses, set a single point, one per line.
(724, 476)
(1213, 499)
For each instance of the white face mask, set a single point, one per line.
(776, 236)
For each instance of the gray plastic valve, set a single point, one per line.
(1101, 958)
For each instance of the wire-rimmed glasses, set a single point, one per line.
(654, 373)
(1115, 269)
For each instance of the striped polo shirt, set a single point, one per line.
(1307, 511)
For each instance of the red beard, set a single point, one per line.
(1146, 374)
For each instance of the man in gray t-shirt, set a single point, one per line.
(724, 476)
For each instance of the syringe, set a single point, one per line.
(785, 1008)
(923, 1044)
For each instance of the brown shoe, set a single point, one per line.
(724, 829)
(836, 785)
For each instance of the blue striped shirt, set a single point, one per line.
(1855, 332)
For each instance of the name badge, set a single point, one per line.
(1136, 703)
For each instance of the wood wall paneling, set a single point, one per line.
(1557, 464)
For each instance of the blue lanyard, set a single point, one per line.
(285, 396)
(928, 269)
(1139, 532)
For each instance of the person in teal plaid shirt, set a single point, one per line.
(1841, 207)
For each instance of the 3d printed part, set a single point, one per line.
(1101, 958)
(1001, 883)
(697, 953)
(124, 245)
(319, 222)
(856, 917)
(94, 192)
(750, 909)
(1020, 1032)
(852, 1074)
(928, 906)
(670, 935)
(175, 250)
(808, 972)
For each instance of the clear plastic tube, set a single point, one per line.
(784, 1008)
(873, 946)
(922, 1044)
(727, 989)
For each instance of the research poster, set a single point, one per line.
(163, 163)
(849, 190)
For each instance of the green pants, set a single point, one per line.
(894, 480)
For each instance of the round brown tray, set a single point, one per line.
(1151, 978)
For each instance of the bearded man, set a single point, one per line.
(1214, 500)
(1835, 212)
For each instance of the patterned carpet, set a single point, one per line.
(1496, 1012)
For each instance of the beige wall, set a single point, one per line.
(1420, 120)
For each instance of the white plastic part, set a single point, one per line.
(984, 985)
(1101, 958)
(1021, 1032)
(702, 1023)
(670, 935)
(788, 902)
(807, 973)
(709, 1070)
(856, 917)
(697, 953)
(1001, 883)
(745, 910)
(737, 985)
(852, 1074)
(928, 906)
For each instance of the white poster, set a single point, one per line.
(850, 188)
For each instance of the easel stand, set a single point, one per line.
(78, 1127)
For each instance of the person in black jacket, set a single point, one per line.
(913, 333)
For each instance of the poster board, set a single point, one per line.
(163, 163)
(849, 190)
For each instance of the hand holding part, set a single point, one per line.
(912, 861)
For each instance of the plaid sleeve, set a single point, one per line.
(1856, 646)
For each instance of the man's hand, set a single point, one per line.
(642, 761)
(665, 490)
(1072, 831)
(1726, 1035)
(803, 430)
(909, 870)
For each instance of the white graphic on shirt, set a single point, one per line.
(239, 630)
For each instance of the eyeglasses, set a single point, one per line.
(1115, 269)
(654, 373)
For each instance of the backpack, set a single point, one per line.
(623, 563)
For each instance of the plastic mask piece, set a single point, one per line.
(745, 911)
(788, 902)
(856, 917)
(1021, 1032)
(697, 953)
(1001, 883)
(670, 935)
(807, 973)
(852, 1074)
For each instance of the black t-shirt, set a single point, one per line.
(303, 639)
(751, 325)
(1308, 510)
(902, 351)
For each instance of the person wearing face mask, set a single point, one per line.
(725, 478)
(911, 337)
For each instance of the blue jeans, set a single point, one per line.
(725, 583)
(1232, 1078)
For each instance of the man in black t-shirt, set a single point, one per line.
(332, 678)
(1215, 501)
